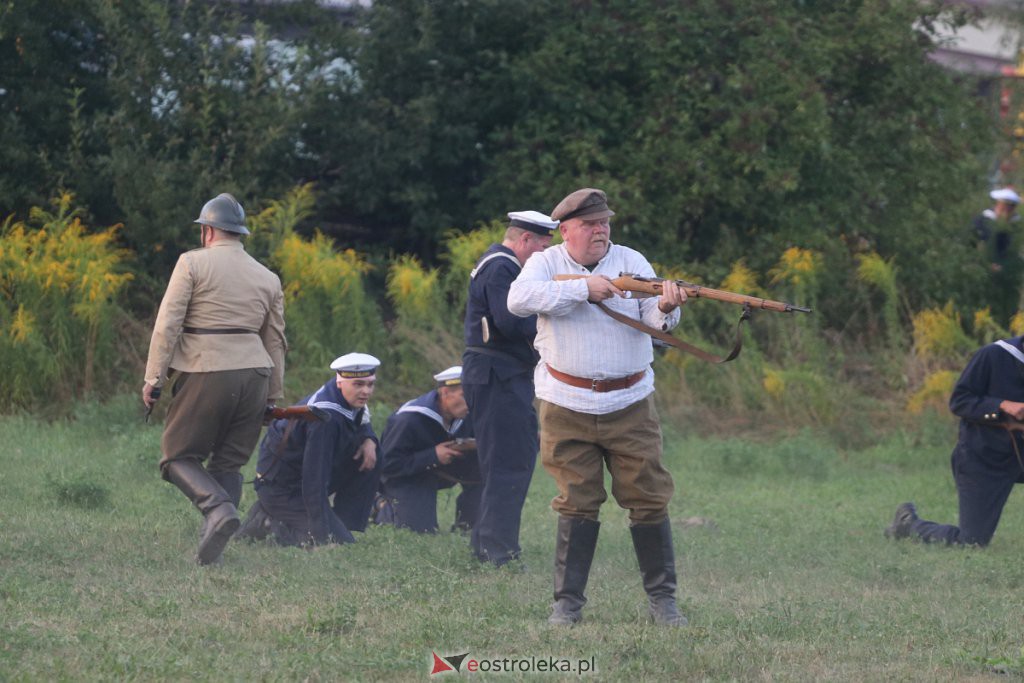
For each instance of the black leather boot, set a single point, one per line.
(653, 545)
(231, 482)
(906, 515)
(210, 498)
(256, 526)
(574, 552)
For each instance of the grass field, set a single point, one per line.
(784, 575)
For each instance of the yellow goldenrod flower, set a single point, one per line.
(774, 383)
(938, 333)
(1017, 323)
(413, 289)
(23, 324)
(797, 266)
(742, 280)
(935, 392)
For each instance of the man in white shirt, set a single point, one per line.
(595, 386)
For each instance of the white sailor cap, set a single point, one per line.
(355, 365)
(1005, 194)
(534, 221)
(450, 377)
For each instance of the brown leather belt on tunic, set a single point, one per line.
(598, 385)
(217, 330)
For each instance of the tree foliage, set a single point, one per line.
(52, 71)
(721, 129)
(203, 109)
(730, 129)
(146, 109)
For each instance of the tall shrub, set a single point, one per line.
(328, 311)
(423, 340)
(59, 291)
(461, 252)
(880, 274)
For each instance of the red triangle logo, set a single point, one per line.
(440, 665)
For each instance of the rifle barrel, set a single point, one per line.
(699, 291)
(652, 286)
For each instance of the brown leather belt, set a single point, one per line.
(598, 385)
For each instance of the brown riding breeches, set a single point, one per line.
(576, 447)
(216, 415)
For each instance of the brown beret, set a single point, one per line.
(588, 204)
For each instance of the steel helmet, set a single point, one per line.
(223, 212)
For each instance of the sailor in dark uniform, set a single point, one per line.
(497, 377)
(987, 460)
(997, 234)
(422, 452)
(302, 464)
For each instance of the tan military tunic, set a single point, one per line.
(219, 287)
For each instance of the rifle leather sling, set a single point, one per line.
(1013, 441)
(217, 330)
(598, 385)
(679, 343)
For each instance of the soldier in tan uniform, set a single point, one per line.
(221, 326)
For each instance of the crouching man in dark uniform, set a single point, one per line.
(421, 455)
(987, 460)
(301, 464)
(497, 375)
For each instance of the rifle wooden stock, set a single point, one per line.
(307, 413)
(651, 286)
(464, 445)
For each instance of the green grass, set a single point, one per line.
(785, 577)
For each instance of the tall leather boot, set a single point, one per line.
(212, 500)
(231, 482)
(653, 545)
(574, 552)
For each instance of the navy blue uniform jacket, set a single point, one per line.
(306, 466)
(511, 338)
(411, 433)
(991, 376)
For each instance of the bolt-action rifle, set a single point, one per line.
(651, 286)
(638, 286)
(301, 412)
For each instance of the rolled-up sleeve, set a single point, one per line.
(650, 314)
(653, 317)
